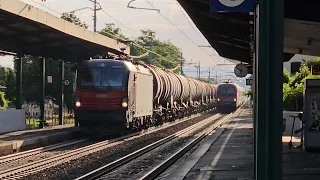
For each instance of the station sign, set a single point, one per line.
(249, 81)
(66, 82)
(315, 69)
(49, 79)
(231, 5)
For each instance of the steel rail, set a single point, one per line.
(115, 164)
(155, 172)
(36, 166)
(32, 152)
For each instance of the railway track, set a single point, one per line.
(25, 154)
(104, 170)
(155, 172)
(36, 166)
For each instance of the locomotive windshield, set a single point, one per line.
(101, 77)
(226, 90)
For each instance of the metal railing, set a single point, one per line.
(51, 115)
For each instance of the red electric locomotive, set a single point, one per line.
(229, 97)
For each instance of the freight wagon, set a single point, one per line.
(113, 96)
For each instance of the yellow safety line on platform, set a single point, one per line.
(207, 174)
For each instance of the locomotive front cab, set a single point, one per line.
(101, 95)
(227, 97)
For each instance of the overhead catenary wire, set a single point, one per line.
(113, 35)
(137, 45)
(173, 24)
(181, 9)
(117, 20)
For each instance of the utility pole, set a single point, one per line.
(150, 51)
(181, 63)
(209, 74)
(94, 15)
(217, 77)
(199, 70)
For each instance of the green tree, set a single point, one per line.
(293, 86)
(286, 76)
(71, 17)
(8, 79)
(112, 32)
(249, 93)
(170, 54)
(3, 101)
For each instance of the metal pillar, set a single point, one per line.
(18, 82)
(269, 90)
(61, 102)
(42, 91)
(254, 84)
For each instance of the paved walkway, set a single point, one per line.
(298, 164)
(225, 155)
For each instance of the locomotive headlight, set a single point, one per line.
(235, 99)
(124, 102)
(77, 102)
(218, 99)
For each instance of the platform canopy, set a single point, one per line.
(302, 27)
(228, 33)
(26, 29)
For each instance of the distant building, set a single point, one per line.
(294, 64)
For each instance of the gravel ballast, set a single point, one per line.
(138, 167)
(44, 155)
(76, 168)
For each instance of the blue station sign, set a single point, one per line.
(231, 5)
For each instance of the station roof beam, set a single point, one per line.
(26, 29)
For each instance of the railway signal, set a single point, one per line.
(249, 81)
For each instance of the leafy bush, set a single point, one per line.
(248, 93)
(286, 76)
(3, 101)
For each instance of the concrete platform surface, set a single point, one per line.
(20, 140)
(227, 154)
(300, 165)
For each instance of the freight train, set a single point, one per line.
(113, 96)
(229, 97)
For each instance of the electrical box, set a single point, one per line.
(311, 114)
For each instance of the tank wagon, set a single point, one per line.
(229, 97)
(115, 95)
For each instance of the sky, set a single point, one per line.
(131, 21)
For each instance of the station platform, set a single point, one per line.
(298, 164)
(26, 139)
(227, 154)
